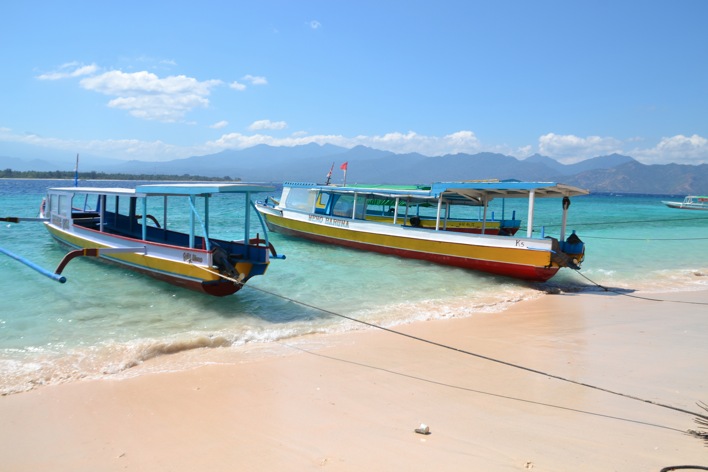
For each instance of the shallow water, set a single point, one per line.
(105, 320)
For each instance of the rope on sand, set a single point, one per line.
(703, 417)
(684, 467)
(619, 292)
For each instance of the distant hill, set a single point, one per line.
(614, 173)
(634, 177)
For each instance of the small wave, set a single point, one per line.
(147, 350)
(453, 307)
(27, 369)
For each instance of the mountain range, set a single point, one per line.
(311, 162)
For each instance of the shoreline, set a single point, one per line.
(351, 401)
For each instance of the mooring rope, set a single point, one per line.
(619, 292)
(613, 222)
(480, 356)
(585, 236)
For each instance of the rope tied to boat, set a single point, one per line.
(619, 292)
(700, 417)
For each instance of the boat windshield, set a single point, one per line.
(300, 199)
(344, 205)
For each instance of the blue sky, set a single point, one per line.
(159, 80)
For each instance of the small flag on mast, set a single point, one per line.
(344, 168)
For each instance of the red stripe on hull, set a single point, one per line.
(518, 271)
(216, 289)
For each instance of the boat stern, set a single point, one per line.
(569, 253)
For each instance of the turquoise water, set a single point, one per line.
(104, 320)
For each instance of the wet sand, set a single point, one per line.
(352, 401)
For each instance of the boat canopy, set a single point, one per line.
(476, 193)
(171, 189)
(189, 190)
(121, 192)
(201, 189)
(460, 193)
(482, 191)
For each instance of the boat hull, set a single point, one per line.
(507, 257)
(183, 267)
(687, 206)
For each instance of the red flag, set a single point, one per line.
(344, 166)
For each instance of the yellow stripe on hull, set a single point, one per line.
(503, 255)
(147, 262)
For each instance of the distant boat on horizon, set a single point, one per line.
(691, 202)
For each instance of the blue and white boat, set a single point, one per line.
(691, 202)
(136, 228)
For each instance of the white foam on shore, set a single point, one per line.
(28, 368)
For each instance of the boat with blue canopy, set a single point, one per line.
(350, 216)
(161, 230)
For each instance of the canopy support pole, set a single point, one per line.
(437, 216)
(529, 225)
(395, 212)
(566, 205)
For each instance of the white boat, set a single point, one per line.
(133, 228)
(691, 202)
(343, 216)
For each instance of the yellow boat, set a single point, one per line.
(345, 216)
(114, 225)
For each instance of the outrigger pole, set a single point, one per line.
(95, 252)
(58, 277)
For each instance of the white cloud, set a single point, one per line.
(523, 151)
(69, 70)
(145, 95)
(461, 141)
(679, 149)
(267, 124)
(314, 24)
(237, 86)
(115, 148)
(255, 79)
(117, 82)
(219, 125)
(569, 148)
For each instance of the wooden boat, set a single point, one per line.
(423, 214)
(116, 225)
(341, 216)
(691, 202)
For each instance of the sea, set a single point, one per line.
(105, 321)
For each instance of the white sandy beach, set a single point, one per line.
(351, 402)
